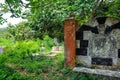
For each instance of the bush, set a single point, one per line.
(6, 42)
(22, 49)
(48, 43)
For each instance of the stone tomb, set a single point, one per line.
(98, 44)
(93, 47)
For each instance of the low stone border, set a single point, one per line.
(98, 71)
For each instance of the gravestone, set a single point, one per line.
(97, 45)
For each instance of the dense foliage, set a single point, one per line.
(46, 17)
(45, 20)
(20, 31)
(18, 63)
(40, 68)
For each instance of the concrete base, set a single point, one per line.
(98, 71)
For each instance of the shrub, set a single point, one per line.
(22, 49)
(6, 42)
(48, 42)
(39, 42)
(33, 47)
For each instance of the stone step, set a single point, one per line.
(98, 71)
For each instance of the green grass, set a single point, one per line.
(6, 42)
(16, 63)
(40, 68)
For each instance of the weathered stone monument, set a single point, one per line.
(96, 44)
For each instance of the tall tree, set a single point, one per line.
(47, 16)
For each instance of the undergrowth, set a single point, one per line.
(18, 63)
(40, 68)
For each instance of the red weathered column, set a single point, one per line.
(70, 26)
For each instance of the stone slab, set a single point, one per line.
(86, 60)
(98, 71)
(87, 35)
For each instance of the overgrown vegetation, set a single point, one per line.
(6, 42)
(18, 63)
(40, 68)
(45, 20)
(46, 17)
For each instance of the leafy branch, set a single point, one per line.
(11, 9)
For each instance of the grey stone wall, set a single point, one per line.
(98, 43)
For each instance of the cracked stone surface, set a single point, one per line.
(104, 45)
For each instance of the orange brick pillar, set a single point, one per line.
(70, 27)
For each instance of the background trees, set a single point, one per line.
(46, 17)
(21, 31)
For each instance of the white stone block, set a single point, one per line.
(85, 60)
(87, 35)
(115, 60)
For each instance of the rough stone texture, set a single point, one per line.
(116, 34)
(92, 22)
(110, 21)
(70, 27)
(98, 71)
(103, 46)
(97, 45)
(87, 35)
(84, 60)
